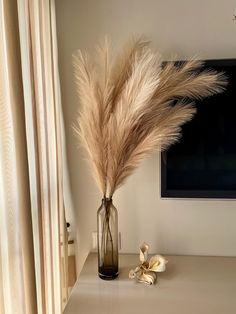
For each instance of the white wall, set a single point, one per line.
(186, 28)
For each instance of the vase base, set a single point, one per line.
(104, 277)
(109, 273)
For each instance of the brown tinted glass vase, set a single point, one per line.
(107, 227)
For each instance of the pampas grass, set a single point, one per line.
(133, 106)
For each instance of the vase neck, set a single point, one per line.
(107, 200)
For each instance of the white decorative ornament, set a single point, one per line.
(146, 271)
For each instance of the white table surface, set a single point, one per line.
(190, 285)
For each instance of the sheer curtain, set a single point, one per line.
(33, 235)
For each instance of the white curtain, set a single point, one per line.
(33, 235)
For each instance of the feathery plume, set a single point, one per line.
(134, 106)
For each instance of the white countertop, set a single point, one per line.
(190, 285)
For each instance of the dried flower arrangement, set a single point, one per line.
(146, 272)
(134, 106)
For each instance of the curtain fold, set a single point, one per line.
(33, 233)
(17, 277)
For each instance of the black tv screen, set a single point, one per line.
(203, 163)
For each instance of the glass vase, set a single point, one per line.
(107, 231)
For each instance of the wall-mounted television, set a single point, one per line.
(203, 163)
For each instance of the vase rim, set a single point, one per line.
(107, 199)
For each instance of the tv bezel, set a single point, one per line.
(181, 193)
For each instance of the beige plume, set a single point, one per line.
(133, 106)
